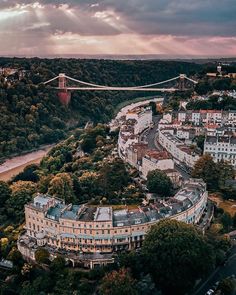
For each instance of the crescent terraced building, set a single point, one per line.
(91, 235)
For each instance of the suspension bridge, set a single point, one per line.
(65, 90)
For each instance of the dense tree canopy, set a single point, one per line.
(31, 115)
(159, 183)
(61, 186)
(177, 255)
(114, 176)
(214, 174)
(118, 283)
(42, 255)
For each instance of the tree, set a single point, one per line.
(158, 182)
(58, 264)
(200, 141)
(203, 88)
(61, 186)
(44, 182)
(234, 220)
(153, 105)
(28, 174)
(113, 176)
(227, 286)
(118, 283)
(227, 221)
(42, 255)
(206, 169)
(22, 193)
(226, 172)
(177, 255)
(16, 257)
(214, 174)
(5, 192)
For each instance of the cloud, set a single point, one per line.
(112, 26)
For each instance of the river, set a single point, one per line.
(15, 165)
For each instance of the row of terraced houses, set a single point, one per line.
(91, 235)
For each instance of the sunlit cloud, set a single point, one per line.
(118, 27)
(36, 26)
(11, 13)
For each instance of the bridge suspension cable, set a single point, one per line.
(51, 80)
(191, 80)
(131, 87)
(158, 83)
(92, 86)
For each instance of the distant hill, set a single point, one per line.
(31, 114)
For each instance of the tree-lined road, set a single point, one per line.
(224, 271)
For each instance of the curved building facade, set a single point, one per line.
(91, 234)
(90, 230)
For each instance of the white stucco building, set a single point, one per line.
(180, 151)
(221, 148)
(156, 160)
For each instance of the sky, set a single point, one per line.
(118, 27)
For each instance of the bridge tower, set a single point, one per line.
(63, 94)
(182, 82)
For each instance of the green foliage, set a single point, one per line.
(22, 193)
(226, 172)
(16, 257)
(214, 102)
(91, 137)
(176, 256)
(227, 221)
(203, 87)
(61, 186)
(5, 192)
(234, 220)
(113, 176)
(118, 283)
(31, 115)
(227, 286)
(58, 264)
(28, 174)
(159, 183)
(200, 141)
(153, 105)
(214, 174)
(42, 255)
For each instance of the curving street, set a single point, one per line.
(224, 271)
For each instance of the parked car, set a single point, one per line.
(210, 292)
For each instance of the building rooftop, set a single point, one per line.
(189, 195)
(154, 154)
(103, 214)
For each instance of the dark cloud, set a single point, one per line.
(191, 17)
(188, 19)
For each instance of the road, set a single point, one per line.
(220, 273)
(150, 136)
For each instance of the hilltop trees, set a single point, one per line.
(31, 113)
(214, 174)
(61, 186)
(5, 192)
(22, 193)
(177, 255)
(206, 169)
(158, 182)
(113, 176)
